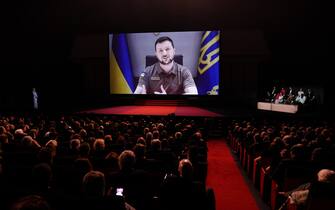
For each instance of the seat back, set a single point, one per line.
(321, 196)
(210, 199)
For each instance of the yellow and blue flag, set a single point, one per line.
(121, 74)
(208, 66)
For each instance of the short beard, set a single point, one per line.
(166, 63)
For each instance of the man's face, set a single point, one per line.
(165, 52)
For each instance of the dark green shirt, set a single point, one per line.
(173, 82)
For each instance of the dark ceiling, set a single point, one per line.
(295, 24)
(102, 15)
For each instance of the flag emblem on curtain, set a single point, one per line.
(121, 74)
(208, 65)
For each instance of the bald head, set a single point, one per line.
(326, 175)
(185, 168)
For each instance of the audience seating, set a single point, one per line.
(61, 195)
(261, 167)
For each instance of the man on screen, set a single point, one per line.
(166, 76)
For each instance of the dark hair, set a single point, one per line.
(163, 39)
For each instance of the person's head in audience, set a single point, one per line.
(41, 177)
(171, 140)
(100, 133)
(30, 143)
(141, 140)
(76, 136)
(2, 130)
(108, 141)
(326, 176)
(84, 149)
(94, 184)
(139, 150)
(74, 145)
(319, 155)
(112, 159)
(83, 133)
(4, 139)
(10, 127)
(31, 202)
(178, 135)
(146, 130)
(155, 134)
(197, 136)
(278, 141)
(51, 145)
(288, 139)
(127, 160)
(120, 139)
(148, 138)
(165, 144)
(51, 133)
(99, 145)
(160, 126)
(45, 156)
(153, 127)
(19, 134)
(33, 133)
(81, 166)
(298, 152)
(185, 169)
(156, 145)
(284, 154)
(163, 134)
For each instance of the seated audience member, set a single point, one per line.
(74, 148)
(94, 184)
(108, 142)
(111, 163)
(94, 194)
(84, 150)
(79, 168)
(301, 196)
(30, 143)
(182, 192)
(98, 154)
(51, 146)
(41, 179)
(136, 183)
(155, 149)
(298, 165)
(140, 151)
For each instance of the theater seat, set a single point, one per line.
(321, 197)
(210, 199)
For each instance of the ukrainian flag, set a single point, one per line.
(208, 66)
(121, 74)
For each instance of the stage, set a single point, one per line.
(154, 110)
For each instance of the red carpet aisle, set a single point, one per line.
(231, 191)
